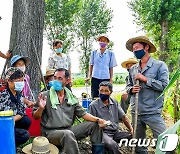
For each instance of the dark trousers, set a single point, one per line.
(111, 140)
(21, 127)
(95, 86)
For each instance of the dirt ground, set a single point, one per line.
(85, 146)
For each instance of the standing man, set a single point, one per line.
(58, 108)
(102, 62)
(153, 78)
(109, 109)
(125, 97)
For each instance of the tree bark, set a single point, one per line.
(163, 41)
(27, 36)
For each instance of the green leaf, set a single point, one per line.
(173, 79)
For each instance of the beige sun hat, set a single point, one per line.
(128, 61)
(49, 72)
(40, 145)
(130, 42)
(103, 36)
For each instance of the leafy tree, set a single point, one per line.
(160, 20)
(27, 36)
(92, 20)
(59, 20)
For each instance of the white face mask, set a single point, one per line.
(22, 68)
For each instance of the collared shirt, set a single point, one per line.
(62, 117)
(55, 61)
(156, 73)
(10, 102)
(112, 112)
(102, 63)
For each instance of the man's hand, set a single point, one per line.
(136, 89)
(110, 80)
(124, 96)
(87, 79)
(102, 123)
(140, 77)
(42, 102)
(8, 54)
(31, 104)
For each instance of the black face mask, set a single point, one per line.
(103, 97)
(139, 53)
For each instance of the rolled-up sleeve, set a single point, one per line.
(79, 111)
(162, 81)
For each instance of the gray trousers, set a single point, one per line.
(67, 138)
(111, 140)
(156, 124)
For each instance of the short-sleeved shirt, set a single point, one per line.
(10, 102)
(112, 112)
(102, 63)
(55, 61)
(62, 117)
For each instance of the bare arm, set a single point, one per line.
(17, 117)
(90, 73)
(38, 113)
(3, 55)
(92, 118)
(111, 74)
(127, 123)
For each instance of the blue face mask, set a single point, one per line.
(103, 97)
(57, 85)
(19, 86)
(139, 53)
(59, 50)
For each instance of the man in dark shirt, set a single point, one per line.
(58, 109)
(109, 109)
(11, 99)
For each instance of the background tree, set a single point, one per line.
(92, 20)
(160, 20)
(27, 36)
(59, 20)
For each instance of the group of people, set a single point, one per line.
(58, 107)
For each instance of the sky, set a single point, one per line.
(122, 24)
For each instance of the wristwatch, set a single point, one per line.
(97, 121)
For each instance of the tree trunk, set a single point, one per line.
(163, 41)
(27, 36)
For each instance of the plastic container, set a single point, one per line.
(35, 128)
(86, 103)
(7, 136)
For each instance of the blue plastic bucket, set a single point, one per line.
(7, 139)
(86, 103)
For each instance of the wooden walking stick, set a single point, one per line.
(136, 116)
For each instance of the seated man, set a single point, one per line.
(109, 109)
(11, 99)
(58, 109)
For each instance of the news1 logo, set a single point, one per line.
(168, 142)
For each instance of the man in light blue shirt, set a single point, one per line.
(153, 78)
(102, 62)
